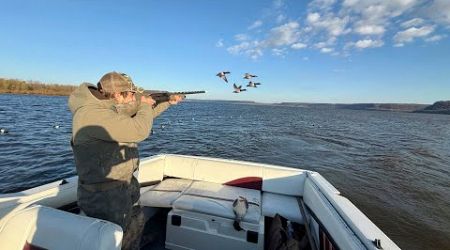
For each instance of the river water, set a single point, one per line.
(395, 167)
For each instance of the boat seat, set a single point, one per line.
(39, 227)
(217, 200)
(284, 205)
(164, 193)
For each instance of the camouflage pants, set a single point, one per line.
(119, 205)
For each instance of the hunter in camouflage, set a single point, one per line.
(105, 133)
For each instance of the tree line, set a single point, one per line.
(440, 105)
(15, 86)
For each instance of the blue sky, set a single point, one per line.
(305, 51)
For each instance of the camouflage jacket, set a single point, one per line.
(104, 140)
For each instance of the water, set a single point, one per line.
(395, 167)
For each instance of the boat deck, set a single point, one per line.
(154, 234)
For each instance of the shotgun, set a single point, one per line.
(164, 96)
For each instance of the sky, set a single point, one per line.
(351, 51)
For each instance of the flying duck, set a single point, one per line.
(238, 89)
(253, 84)
(223, 75)
(249, 76)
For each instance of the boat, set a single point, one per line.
(188, 204)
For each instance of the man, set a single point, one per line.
(105, 133)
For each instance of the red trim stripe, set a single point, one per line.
(246, 182)
(29, 246)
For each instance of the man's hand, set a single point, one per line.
(174, 99)
(148, 99)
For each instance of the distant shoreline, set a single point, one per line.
(393, 107)
(440, 107)
(14, 86)
(34, 93)
(387, 107)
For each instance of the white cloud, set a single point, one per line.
(326, 50)
(254, 53)
(374, 17)
(239, 48)
(320, 45)
(413, 22)
(435, 38)
(241, 37)
(323, 5)
(334, 25)
(313, 17)
(439, 11)
(252, 49)
(280, 36)
(298, 46)
(377, 11)
(327, 25)
(219, 44)
(370, 30)
(279, 52)
(307, 29)
(410, 34)
(255, 25)
(368, 43)
(349, 2)
(330, 42)
(285, 34)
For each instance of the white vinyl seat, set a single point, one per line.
(39, 227)
(164, 193)
(284, 205)
(217, 200)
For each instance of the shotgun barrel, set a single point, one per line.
(164, 96)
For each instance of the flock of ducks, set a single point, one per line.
(239, 89)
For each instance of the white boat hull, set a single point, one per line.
(277, 190)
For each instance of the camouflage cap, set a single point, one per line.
(117, 82)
